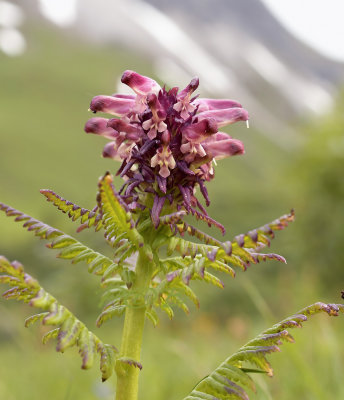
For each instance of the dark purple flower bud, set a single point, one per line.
(140, 84)
(156, 209)
(118, 106)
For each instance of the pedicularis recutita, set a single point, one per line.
(167, 142)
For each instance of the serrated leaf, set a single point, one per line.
(69, 330)
(88, 217)
(34, 318)
(233, 369)
(110, 312)
(107, 360)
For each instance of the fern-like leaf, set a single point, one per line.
(231, 380)
(116, 216)
(68, 330)
(71, 249)
(88, 218)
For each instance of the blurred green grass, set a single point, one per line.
(43, 101)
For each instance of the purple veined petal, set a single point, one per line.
(204, 192)
(112, 105)
(182, 165)
(225, 116)
(185, 192)
(222, 145)
(133, 132)
(99, 126)
(156, 209)
(199, 131)
(215, 104)
(140, 84)
(162, 183)
(110, 151)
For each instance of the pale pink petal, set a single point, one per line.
(185, 148)
(171, 162)
(152, 134)
(154, 161)
(162, 126)
(164, 171)
(147, 124)
(178, 106)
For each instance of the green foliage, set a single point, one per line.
(88, 218)
(69, 331)
(173, 277)
(69, 248)
(231, 379)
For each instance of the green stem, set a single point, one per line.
(127, 373)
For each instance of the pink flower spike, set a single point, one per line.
(215, 104)
(112, 105)
(199, 131)
(222, 145)
(226, 116)
(140, 84)
(99, 126)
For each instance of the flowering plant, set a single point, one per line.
(167, 142)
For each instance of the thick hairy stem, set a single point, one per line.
(127, 367)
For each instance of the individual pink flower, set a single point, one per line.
(165, 160)
(183, 105)
(156, 123)
(142, 86)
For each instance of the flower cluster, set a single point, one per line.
(167, 141)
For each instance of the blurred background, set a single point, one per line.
(284, 61)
